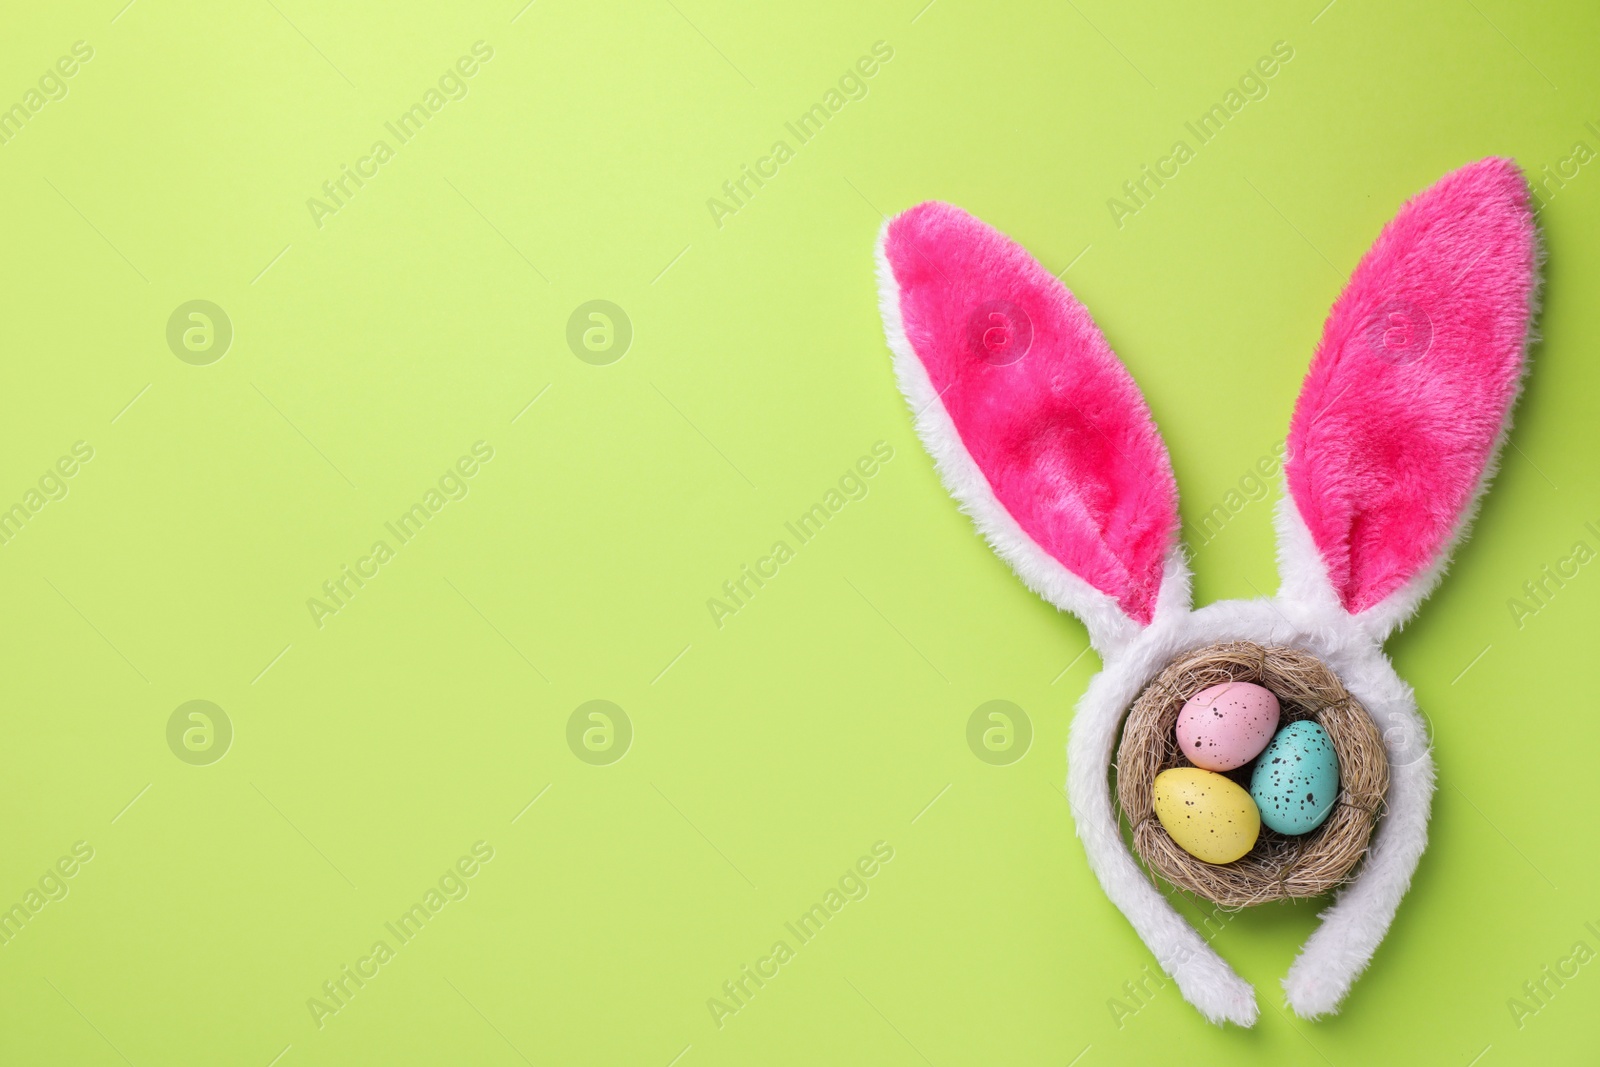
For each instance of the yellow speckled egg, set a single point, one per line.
(1210, 817)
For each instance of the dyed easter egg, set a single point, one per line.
(1208, 816)
(1227, 725)
(1296, 780)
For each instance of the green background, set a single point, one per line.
(830, 713)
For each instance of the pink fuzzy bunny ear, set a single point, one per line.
(1035, 426)
(1409, 396)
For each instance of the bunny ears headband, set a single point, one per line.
(1042, 436)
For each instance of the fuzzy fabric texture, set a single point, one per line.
(1421, 359)
(1353, 927)
(1049, 416)
(1042, 436)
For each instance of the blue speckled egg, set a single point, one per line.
(1296, 780)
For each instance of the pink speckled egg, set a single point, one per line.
(1227, 725)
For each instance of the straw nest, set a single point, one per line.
(1279, 866)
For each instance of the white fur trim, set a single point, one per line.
(1302, 574)
(1353, 927)
(1109, 626)
(1340, 949)
(1203, 978)
(1305, 575)
(1307, 615)
(1351, 930)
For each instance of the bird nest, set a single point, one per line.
(1279, 866)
